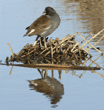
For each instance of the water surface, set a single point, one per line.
(82, 89)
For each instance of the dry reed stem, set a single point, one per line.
(11, 49)
(57, 51)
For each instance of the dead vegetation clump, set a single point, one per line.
(64, 52)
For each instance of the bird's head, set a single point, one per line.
(49, 11)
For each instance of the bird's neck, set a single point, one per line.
(54, 16)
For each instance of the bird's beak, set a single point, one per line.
(44, 12)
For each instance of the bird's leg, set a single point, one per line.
(35, 43)
(40, 41)
(45, 42)
(36, 40)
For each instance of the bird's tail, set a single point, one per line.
(24, 35)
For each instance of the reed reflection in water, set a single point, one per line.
(88, 13)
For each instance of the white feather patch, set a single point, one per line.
(43, 32)
(33, 30)
(35, 84)
(47, 27)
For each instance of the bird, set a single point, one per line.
(44, 25)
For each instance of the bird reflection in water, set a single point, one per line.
(51, 87)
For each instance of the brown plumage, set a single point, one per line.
(44, 25)
(39, 25)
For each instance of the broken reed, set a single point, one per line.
(65, 51)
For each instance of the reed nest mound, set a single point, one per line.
(57, 52)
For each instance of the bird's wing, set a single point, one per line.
(40, 24)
